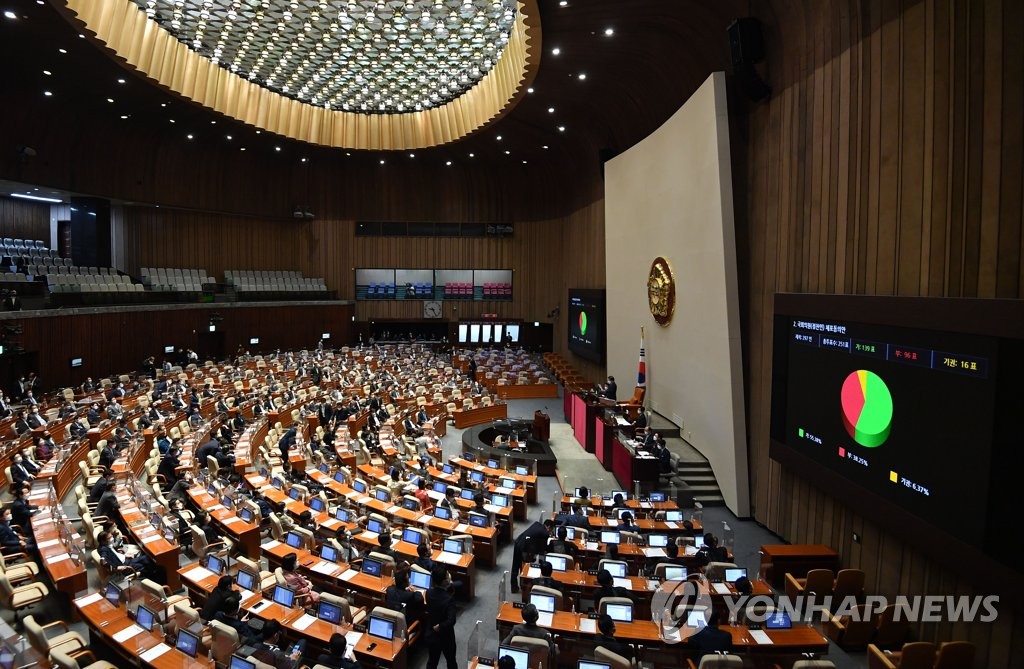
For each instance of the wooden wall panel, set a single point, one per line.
(115, 342)
(887, 161)
(24, 220)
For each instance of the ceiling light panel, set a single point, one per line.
(368, 56)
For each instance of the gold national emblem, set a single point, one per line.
(661, 291)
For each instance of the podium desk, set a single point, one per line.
(779, 559)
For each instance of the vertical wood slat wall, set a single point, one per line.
(888, 161)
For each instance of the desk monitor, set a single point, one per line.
(329, 553)
(658, 496)
(187, 643)
(284, 596)
(779, 620)
(419, 579)
(339, 477)
(544, 603)
(245, 514)
(227, 502)
(168, 349)
(657, 540)
(675, 573)
(293, 540)
(557, 562)
(410, 504)
(113, 594)
(375, 526)
(499, 500)
(674, 516)
(696, 619)
(522, 470)
(373, 567)
(329, 612)
(264, 472)
(589, 664)
(478, 519)
(453, 546)
(570, 533)
(624, 493)
(616, 569)
(382, 495)
(508, 483)
(440, 486)
(324, 468)
(609, 537)
(733, 575)
(211, 490)
(6, 656)
(698, 540)
(359, 486)
(246, 580)
(214, 564)
(239, 662)
(621, 512)
(342, 515)
(277, 483)
(381, 628)
(316, 504)
(144, 618)
(579, 493)
(295, 494)
(519, 656)
(442, 513)
(411, 536)
(476, 477)
(620, 613)
(493, 464)
(448, 469)
(467, 493)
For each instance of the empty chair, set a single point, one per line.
(917, 655)
(955, 655)
(67, 641)
(852, 632)
(65, 661)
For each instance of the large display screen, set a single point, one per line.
(914, 416)
(587, 324)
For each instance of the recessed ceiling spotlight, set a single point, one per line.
(563, 3)
(110, 99)
(172, 120)
(10, 15)
(277, 148)
(120, 81)
(242, 149)
(608, 32)
(305, 159)
(189, 136)
(47, 93)
(259, 132)
(499, 138)
(472, 155)
(524, 162)
(448, 163)
(544, 147)
(530, 89)
(229, 137)
(583, 76)
(551, 110)
(213, 123)
(561, 128)
(62, 50)
(382, 161)
(163, 104)
(47, 73)
(508, 153)
(81, 36)
(412, 155)
(124, 115)
(556, 51)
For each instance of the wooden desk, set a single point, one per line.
(779, 559)
(528, 480)
(627, 467)
(337, 578)
(246, 535)
(69, 576)
(477, 416)
(461, 569)
(149, 539)
(526, 391)
(640, 505)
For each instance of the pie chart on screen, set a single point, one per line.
(583, 322)
(867, 408)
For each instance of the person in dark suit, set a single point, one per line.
(711, 551)
(546, 579)
(19, 472)
(268, 651)
(141, 564)
(440, 631)
(606, 639)
(211, 447)
(76, 429)
(5, 406)
(423, 558)
(117, 391)
(107, 455)
(561, 544)
(21, 510)
(471, 371)
(411, 428)
(610, 389)
(93, 416)
(399, 597)
(711, 639)
(21, 425)
(219, 597)
(10, 541)
(529, 543)
(286, 442)
(335, 659)
(529, 628)
(108, 505)
(35, 419)
(606, 588)
(100, 487)
(12, 302)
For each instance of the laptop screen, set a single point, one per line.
(657, 540)
(239, 662)
(411, 536)
(698, 541)
(557, 562)
(381, 628)
(616, 569)
(284, 596)
(419, 579)
(453, 546)
(245, 514)
(358, 486)
(382, 495)
(342, 515)
(622, 613)
(214, 564)
(779, 620)
(519, 656)
(522, 471)
(113, 594)
(144, 618)
(675, 573)
(508, 483)
(493, 464)
(478, 519)
(733, 575)
(440, 486)
(544, 603)
(657, 497)
(674, 516)
(448, 469)
(442, 513)
(499, 500)
(316, 504)
(476, 477)
(375, 526)
(696, 619)
(329, 612)
(187, 643)
(295, 493)
(246, 580)
(329, 553)
(372, 567)
(608, 537)
(467, 494)
(293, 540)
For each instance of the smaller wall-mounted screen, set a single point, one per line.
(76, 362)
(463, 333)
(474, 333)
(587, 324)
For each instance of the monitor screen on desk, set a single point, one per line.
(478, 519)
(624, 493)
(214, 564)
(246, 580)
(316, 504)
(544, 603)
(239, 662)
(522, 470)
(245, 514)
(557, 562)
(372, 567)
(616, 569)
(696, 619)
(329, 553)
(227, 502)
(295, 494)
(657, 496)
(284, 596)
(675, 573)
(590, 664)
(381, 628)
(570, 533)
(293, 540)
(342, 515)
(620, 613)
(442, 513)
(374, 525)
(144, 618)
(168, 349)
(779, 620)
(411, 535)
(339, 477)
(619, 513)
(698, 540)
(329, 612)
(359, 486)
(410, 504)
(440, 486)
(448, 469)
(657, 540)
(609, 537)
(277, 483)
(324, 468)
(493, 464)
(467, 493)
(453, 546)
(419, 579)
(382, 495)
(187, 643)
(519, 656)
(476, 477)
(674, 516)
(499, 500)
(508, 483)
(113, 594)
(733, 575)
